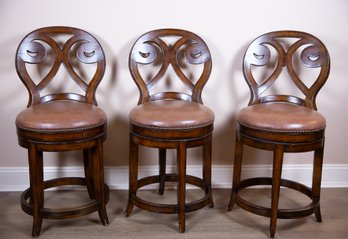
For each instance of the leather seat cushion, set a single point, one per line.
(171, 114)
(281, 117)
(61, 115)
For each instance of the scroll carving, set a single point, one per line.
(80, 46)
(312, 54)
(151, 48)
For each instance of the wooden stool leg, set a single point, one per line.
(133, 174)
(88, 166)
(162, 169)
(277, 172)
(37, 187)
(98, 180)
(316, 181)
(237, 170)
(181, 161)
(207, 168)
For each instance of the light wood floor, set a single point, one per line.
(212, 223)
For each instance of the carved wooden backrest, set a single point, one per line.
(276, 51)
(188, 50)
(48, 49)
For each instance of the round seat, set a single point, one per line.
(66, 119)
(176, 116)
(271, 121)
(290, 118)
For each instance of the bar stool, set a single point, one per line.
(170, 119)
(56, 121)
(282, 123)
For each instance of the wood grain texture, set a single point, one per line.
(206, 223)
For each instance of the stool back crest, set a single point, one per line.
(187, 51)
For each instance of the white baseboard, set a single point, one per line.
(334, 175)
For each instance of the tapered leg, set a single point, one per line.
(37, 187)
(181, 161)
(316, 181)
(98, 166)
(133, 174)
(162, 169)
(88, 166)
(277, 172)
(207, 168)
(237, 169)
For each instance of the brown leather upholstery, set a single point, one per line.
(58, 116)
(282, 123)
(171, 115)
(281, 117)
(170, 119)
(61, 119)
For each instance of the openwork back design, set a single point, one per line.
(78, 48)
(311, 53)
(151, 48)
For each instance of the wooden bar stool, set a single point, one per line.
(282, 123)
(170, 119)
(56, 121)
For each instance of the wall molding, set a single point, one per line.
(334, 175)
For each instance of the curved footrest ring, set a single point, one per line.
(65, 213)
(173, 208)
(282, 213)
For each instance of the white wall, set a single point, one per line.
(226, 26)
